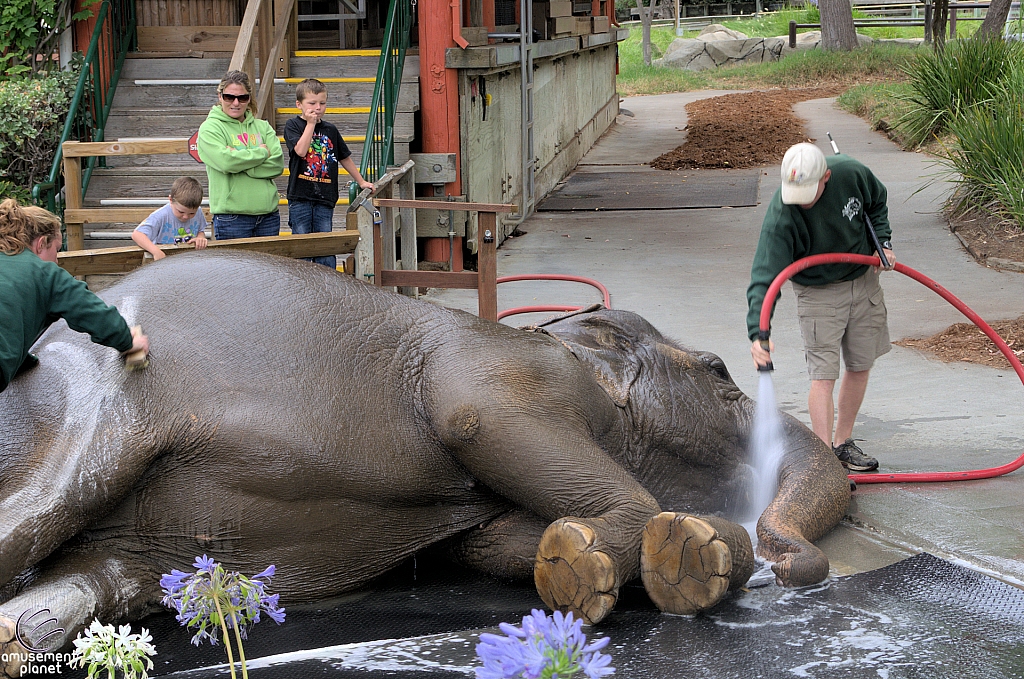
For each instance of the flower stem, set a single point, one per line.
(241, 653)
(227, 639)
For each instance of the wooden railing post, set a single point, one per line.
(487, 266)
(484, 280)
(73, 198)
(407, 220)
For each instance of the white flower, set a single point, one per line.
(102, 648)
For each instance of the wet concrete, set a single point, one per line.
(687, 270)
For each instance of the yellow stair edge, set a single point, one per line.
(333, 80)
(354, 139)
(284, 201)
(344, 110)
(337, 53)
(287, 172)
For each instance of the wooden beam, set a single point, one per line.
(171, 39)
(464, 280)
(445, 205)
(117, 215)
(79, 149)
(125, 259)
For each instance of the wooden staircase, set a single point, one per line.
(171, 97)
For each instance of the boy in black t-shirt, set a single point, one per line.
(315, 149)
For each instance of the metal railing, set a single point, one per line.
(379, 148)
(112, 39)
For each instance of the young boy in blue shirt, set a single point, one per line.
(315, 149)
(180, 221)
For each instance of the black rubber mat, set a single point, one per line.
(921, 618)
(654, 190)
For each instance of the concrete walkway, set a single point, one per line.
(687, 271)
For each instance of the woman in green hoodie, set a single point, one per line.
(242, 156)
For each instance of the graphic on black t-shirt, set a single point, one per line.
(319, 159)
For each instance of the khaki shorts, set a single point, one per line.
(849, 315)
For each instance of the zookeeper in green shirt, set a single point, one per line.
(35, 292)
(820, 208)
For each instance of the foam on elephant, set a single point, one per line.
(295, 416)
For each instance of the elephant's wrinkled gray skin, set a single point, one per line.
(294, 416)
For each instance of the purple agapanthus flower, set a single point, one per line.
(548, 646)
(195, 596)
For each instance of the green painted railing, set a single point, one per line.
(94, 94)
(379, 147)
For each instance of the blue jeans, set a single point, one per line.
(226, 227)
(308, 217)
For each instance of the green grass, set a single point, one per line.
(807, 68)
(879, 103)
(804, 69)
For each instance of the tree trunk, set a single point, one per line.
(837, 32)
(646, 17)
(940, 16)
(995, 20)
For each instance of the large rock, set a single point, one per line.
(713, 32)
(812, 39)
(701, 55)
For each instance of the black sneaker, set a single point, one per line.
(853, 458)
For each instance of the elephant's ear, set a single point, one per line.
(607, 347)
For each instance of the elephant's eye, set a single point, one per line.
(717, 365)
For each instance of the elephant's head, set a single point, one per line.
(688, 427)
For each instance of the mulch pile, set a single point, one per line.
(965, 342)
(741, 130)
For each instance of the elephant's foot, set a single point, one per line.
(685, 564)
(572, 574)
(10, 649)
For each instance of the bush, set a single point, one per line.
(945, 84)
(31, 31)
(32, 115)
(988, 156)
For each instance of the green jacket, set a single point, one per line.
(241, 173)
(834, 224)
(35, 293)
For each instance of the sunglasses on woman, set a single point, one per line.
(244, 98)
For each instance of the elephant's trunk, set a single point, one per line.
(813, 496)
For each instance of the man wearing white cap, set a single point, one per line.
(820, 208)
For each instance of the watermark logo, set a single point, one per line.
(40, 634)
(41, 628)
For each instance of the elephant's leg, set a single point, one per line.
(78, 587)
(62, 482)
(814, 493)
(688, 563)
(505, 547)
(557, 472)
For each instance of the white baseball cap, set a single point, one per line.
(803, 166)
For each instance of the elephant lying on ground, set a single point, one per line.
(295, 416)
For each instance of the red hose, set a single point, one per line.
(551, 277)
(844, 258)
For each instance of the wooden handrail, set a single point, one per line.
(446, 205)
(392, 175)
(259, 23)
(125, 259)
(84, 149)
(266, 91)
(243, 44)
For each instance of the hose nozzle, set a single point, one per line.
(762, 337)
